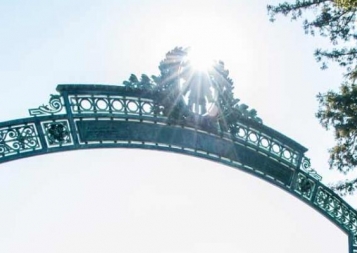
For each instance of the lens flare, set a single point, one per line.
(200, 60)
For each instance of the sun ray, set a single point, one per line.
(200, 60)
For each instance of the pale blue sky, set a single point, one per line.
(50, 205)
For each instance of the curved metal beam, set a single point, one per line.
(103, 116)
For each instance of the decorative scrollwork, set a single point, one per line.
(336, 209)
(54, 106)
(306, 167)
(304, 186)
(18, 139)
(354, 240)
(57, 133)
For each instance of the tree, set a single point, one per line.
(334, 19)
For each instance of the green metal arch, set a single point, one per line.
(104, 116)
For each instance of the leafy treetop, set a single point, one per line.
(334, 19)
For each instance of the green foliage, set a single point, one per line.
(346, 3)
(334, 19)
(345, 187)
(339, 111)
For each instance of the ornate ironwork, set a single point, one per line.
(201, 98)
(112, 104)
(144, 83)
(337, 209)
(265, 143)
(54, 106)
(17, 139)
(57, 133)
(145, 107)
(306, 166)
(179, 111)
(304, 186)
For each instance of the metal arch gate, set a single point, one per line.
(103, 116)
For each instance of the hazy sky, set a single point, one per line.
(138, 201)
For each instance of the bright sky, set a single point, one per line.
(135, 201)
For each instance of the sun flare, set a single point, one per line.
(200, 60)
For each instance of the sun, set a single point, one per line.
(199, 60)
(198, 89)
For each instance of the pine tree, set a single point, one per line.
(334, 19)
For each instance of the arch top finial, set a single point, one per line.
(188, 94)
